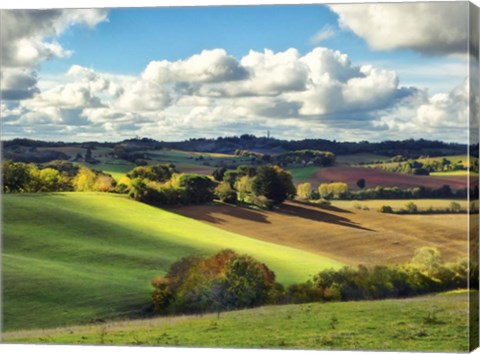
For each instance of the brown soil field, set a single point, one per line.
(353, 237)
(376, 177)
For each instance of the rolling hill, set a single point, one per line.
(72, 258)
(350, 236)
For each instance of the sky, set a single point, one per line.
(346, 72)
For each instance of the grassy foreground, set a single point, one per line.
(71, 258)
(431, 323)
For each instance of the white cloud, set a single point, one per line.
(434, 28)
(18, 83)
(82, 92)
(268, 74)
(27, 38)
(446, 110)
(144, 96)
(272, 73)
(325, 63)
(325, 33)
(310, 94)
(208, 66)
(442, 116)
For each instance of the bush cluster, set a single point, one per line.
(416, 167)
(412, 208)
(225, 281)
(306, 157)
(264, 186)
(160, 184)
(228, 281)
(340, 190)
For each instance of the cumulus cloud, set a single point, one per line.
(24, 33)
(18, 84)
(27, 38)
(213, 93)
(446, 109)
(443, 116)
(208, 66)
(438, 28)
(268, 74)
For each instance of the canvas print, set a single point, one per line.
(268, 176)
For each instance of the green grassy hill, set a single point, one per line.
(71, 258)
(430, 323)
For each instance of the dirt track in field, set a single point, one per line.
(377, 177)
(353, 237)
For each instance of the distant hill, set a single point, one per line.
(409, 148)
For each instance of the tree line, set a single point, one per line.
(158, 184)
(341, 191)
(59, 176)
(410, 148)
(161, 184)
(416, 167)
(228, 281)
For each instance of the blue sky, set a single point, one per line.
(103, 72)
(133, 37)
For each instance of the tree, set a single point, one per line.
(387, 209)
(50, 180)
(230, 177)
(455, 207)
(84, 180)
(244, 170)
(333, 190)
(427, 259)
(339, 189)
(141, 190)
(225, 280)
(273, 183)
(304, 191)
(226, 193)
(361, 183)
(324, 191)
(218, 173)
(88, 155)
(247, 282)
(198, 189)
(104, 183)
(411, 207)
(158, 172)
(17, 176)
(244, 188)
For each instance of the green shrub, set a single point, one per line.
(385, 209)
(454, 207)
(411, 208)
